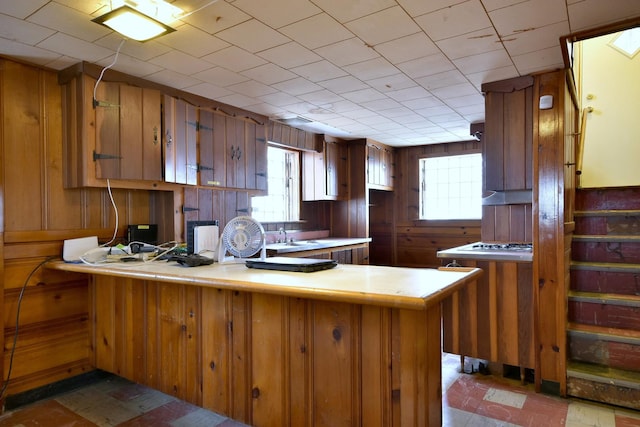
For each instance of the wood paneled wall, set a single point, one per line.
(417, 241)
(38, 214)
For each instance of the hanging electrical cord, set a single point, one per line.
(15, 336)
(115, 59)
(115, 209)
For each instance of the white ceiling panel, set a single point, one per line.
(404, 71)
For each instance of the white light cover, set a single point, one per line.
(135, 26)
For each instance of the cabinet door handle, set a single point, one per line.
(238, 153)
(233, 152)
(169, 138)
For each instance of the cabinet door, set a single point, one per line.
(181, 158)
(507, 140)
(335, 165)
(236, 153)
(255, 157)
(128, 132)
(206, 147)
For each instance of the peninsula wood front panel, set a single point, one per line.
(270, 360)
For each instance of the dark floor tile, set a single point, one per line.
(48, 413)
(162, 416)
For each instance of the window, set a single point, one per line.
(451, 187)
(283, 200)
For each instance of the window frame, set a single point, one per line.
(457, 151)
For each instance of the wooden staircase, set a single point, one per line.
(603, 333)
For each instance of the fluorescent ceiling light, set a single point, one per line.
(133, 24)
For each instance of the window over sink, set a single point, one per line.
(451, 187)
(282, 203)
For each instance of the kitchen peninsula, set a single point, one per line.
(354, 345)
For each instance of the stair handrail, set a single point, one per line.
(580, 145)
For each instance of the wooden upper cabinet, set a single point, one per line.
(117, 137)
(380, 166)
(325, 173)
(207, 148)
(180, 148)
(508, 135)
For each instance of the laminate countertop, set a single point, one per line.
(414, 288)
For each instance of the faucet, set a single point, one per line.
(281, 231)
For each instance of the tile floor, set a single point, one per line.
(475, 400)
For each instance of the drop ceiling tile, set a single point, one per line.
(238, 100)
(332, 31)
(391, 83)
(345, 11)
(361, 112)
(60, 63)
(426, 66)
(297, 86)
(235, 59)
(31, 54)
(208, 90)
(251, 88)
(279, 99)
(217, 17)
(527, 16)
(343, 84)
(290, 55)
(471, 110)
(347, 52)
(69, 21)
(269, 74)
(389, 24)
(193, 41)
(420, 7)
(21, 9)
(407, 48)
(423, 103)
(320, 97)
(493, 75)
(344, 106)
(415, 92)
(461, 89)
(265, 109)
(484, 40)
(27, 32)
(220, 77)
(475, 99)
(318, 71)
(180, 62)
(438, 80)
(371, 69)
(132, 66)
(486, 61)
(453, 21)
(173, 79)
(595, 13)
(363, 95)
(392, 113)
(541, 59)
(270, 12)
(141, 51)
(492, 5)
(75, 48)
(430, 112)
(540, 38)
(381, 104)
(253, 36)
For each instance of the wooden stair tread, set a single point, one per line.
(605, 266)
(606, 238)
(611, 334)
(603, 374)
(608, 212)
(606, 298)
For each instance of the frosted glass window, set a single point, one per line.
(451, 187)
(283, 200)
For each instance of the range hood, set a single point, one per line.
(508, 197)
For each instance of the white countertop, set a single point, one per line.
(315, 244)
(415, 288)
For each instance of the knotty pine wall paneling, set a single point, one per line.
(37, 215)
(550, 264)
